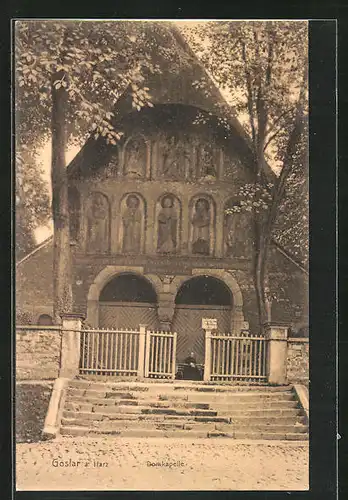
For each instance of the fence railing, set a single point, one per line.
(160, 350)
(238, 357)
(110, 352)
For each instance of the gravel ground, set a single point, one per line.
(161, 464)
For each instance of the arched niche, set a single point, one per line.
(197, 298)
(202, 213)
(127, 300)
(45, 320)
(168, 224)
(132, 224)
(173, 157)
(135, 157)
(74, 212)
(204, 290)
(128, 287)
(238, 230)
(207, 161)
(98, 223)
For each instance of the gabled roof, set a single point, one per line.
(41, 245)
(176, 87)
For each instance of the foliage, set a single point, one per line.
(95, 63)
(32, 201)
(70, 76)
(263, 70)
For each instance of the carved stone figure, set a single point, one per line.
(135, 158)
(98, 224)
(206, 163)
(237, 234)
(230, 233)
(201, 227)
(174, 158)
(167, 226)
(132, 225)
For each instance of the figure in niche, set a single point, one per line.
(74, 212)
(207, 168)
(135, 158)
(174, 158)
(167, 226)
(98, 224)
(237, 230)
(132, 225)
(201, 227)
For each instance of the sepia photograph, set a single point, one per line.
(161, 257)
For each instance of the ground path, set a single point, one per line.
(162, 464)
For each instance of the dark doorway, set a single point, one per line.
(204, 290)
(199, 297)
(127, 301)
(128, 288)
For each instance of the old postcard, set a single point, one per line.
(162, 333)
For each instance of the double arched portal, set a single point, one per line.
(128, 299)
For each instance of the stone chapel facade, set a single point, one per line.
(151, 242)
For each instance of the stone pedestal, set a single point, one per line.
(141, 360)
(207, 359)
(277, 345)
(70, 350)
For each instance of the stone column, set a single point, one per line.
(277, 345)
(219, 230)
(70, 350)
(207, 359)
(141, 360)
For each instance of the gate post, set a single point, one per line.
(207, 357)
(70, 350)
(277, 351)
(141, 359)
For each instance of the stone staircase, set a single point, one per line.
(179, 409)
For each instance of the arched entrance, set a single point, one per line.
(126, 301)
(200, 297)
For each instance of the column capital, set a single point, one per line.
(73, 316)
(276, 331)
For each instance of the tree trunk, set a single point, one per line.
(260, 271)
(62, 293)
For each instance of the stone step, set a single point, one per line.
(78, 405)
(232, 396)
(181, 424)
(109, 416)
(157, 411)
(180, 433)
(144, 410)
(149, 403)
(172, 386)
(241, 420)
(262, 412)
(262, 405)
(94, 396)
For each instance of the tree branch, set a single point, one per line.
(270, 139)
(250, 98)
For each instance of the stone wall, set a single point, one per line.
(34, 284)
(37, 354)
(298, 360)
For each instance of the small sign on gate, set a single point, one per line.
(209, 323)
